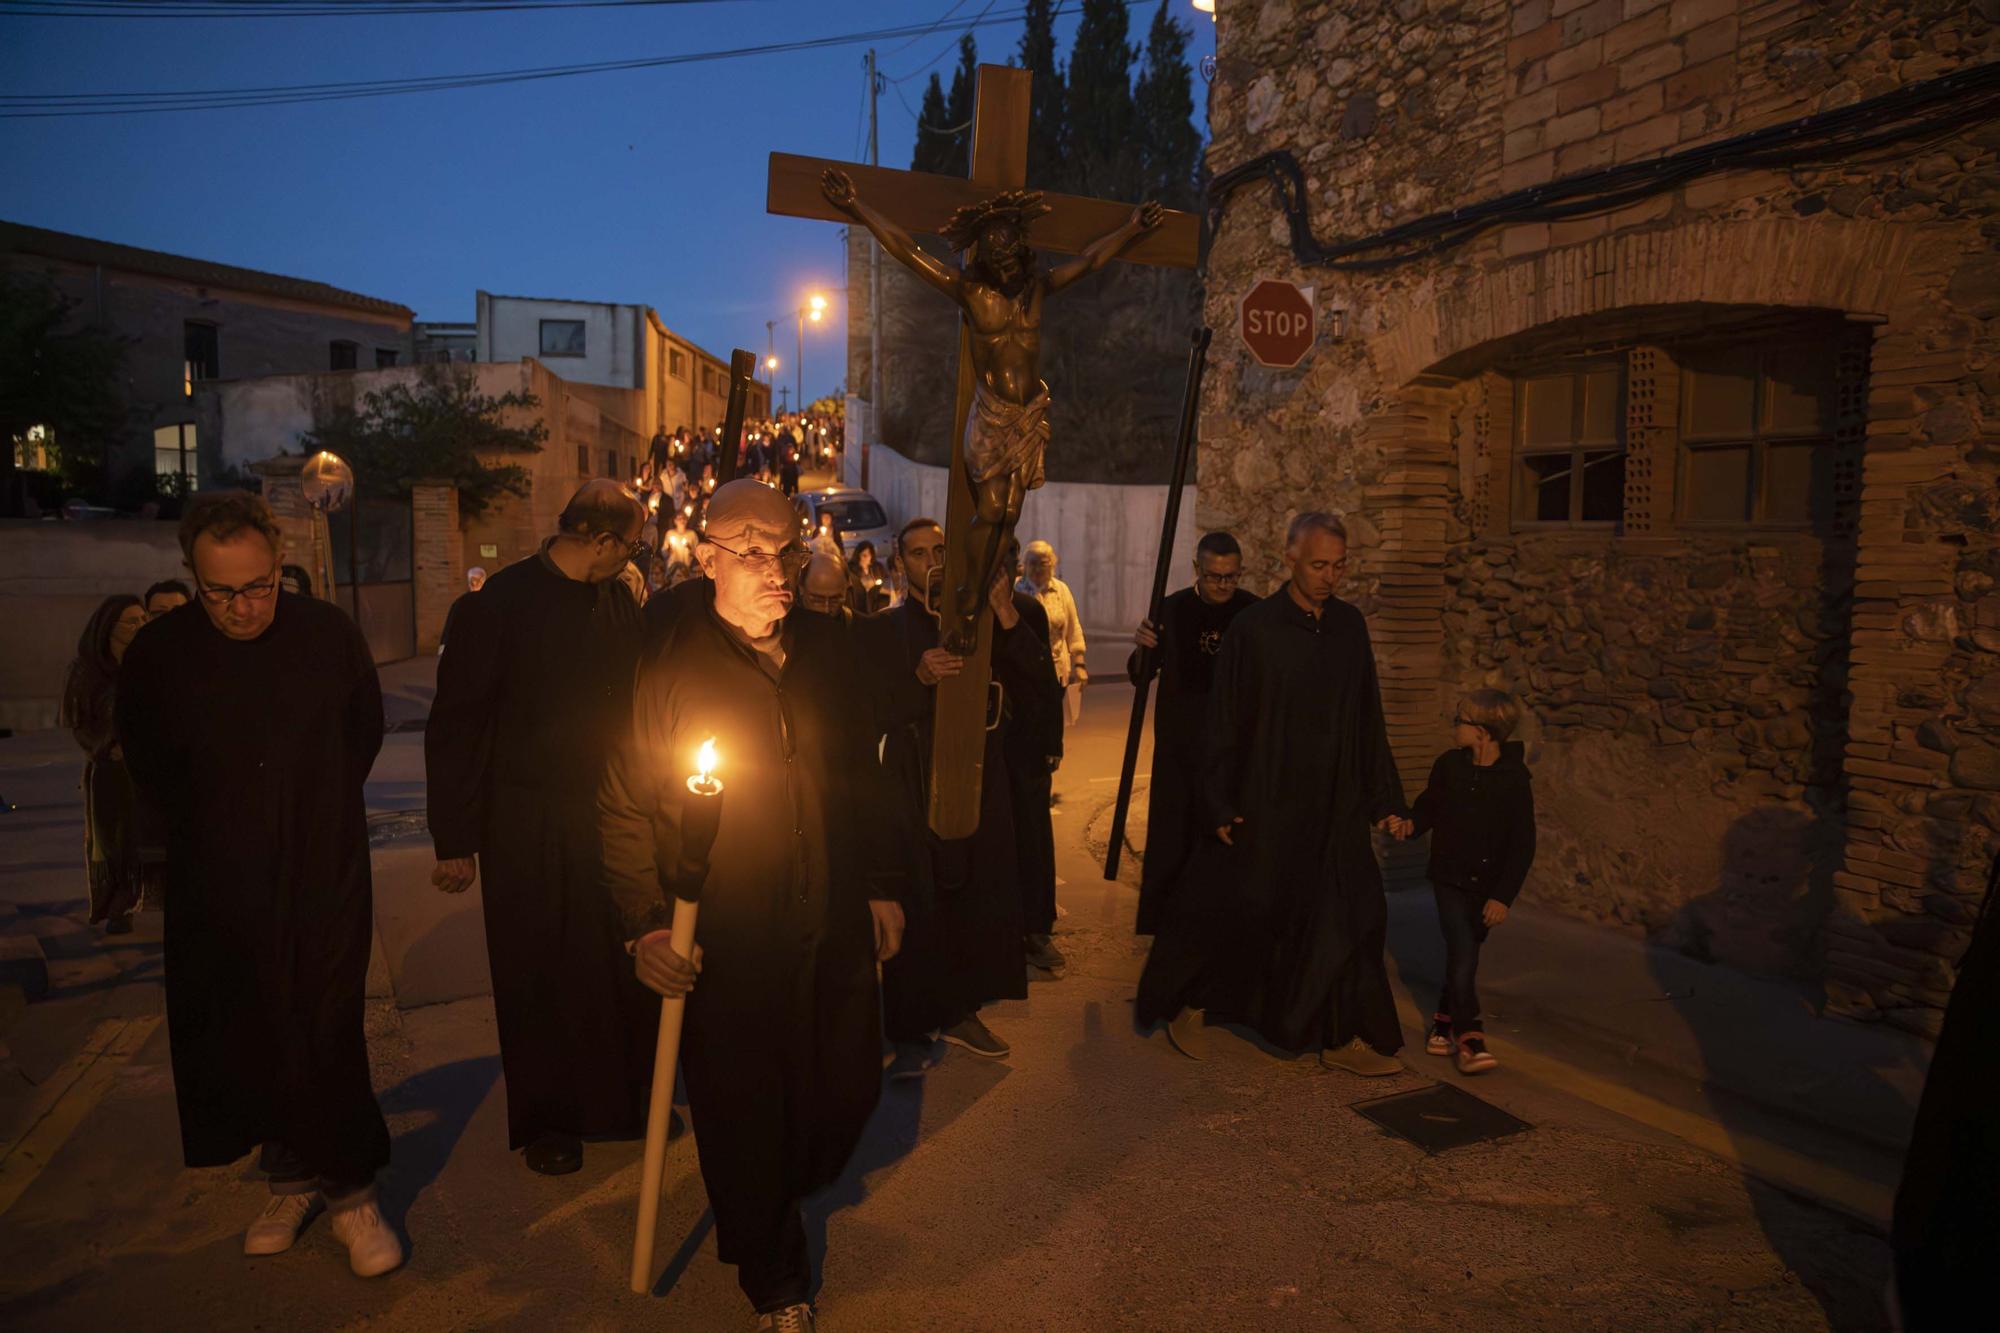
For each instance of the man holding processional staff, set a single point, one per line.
(781, 1045)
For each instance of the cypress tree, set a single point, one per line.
(932, 147)
(1169, 144)
(1046, 132)
(1100, 114)
(958, 109)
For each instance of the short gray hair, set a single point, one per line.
(1038, 547)
(1314, 520)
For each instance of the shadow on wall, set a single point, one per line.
(1841, 1262)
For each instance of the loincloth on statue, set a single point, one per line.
(1006, 439)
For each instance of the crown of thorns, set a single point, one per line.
(1019, 207)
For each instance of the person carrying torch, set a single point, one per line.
(799, 891)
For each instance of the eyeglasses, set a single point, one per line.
(635, 550)
(222, 596)
(791, 559)
(1223, 580)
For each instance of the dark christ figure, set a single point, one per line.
(1000, 291)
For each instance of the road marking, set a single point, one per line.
(69, 1095)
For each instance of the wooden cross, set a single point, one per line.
(920, 202)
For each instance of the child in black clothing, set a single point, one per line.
(1480, 812)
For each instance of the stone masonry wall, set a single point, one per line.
(1777, 750)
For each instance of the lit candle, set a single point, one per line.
(703, 781)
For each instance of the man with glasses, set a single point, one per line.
(534, 688)
(1282, 922)
(781, 1049)
(1181, 649)
(251, 725)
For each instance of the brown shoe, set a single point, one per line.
(1358, 1057)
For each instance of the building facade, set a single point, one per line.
(1704, 472)
(616, 346)
(192, 322)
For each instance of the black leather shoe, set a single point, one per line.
(555, 1154)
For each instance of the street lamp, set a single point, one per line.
(814, 309)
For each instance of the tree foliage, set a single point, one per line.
(958, 109)
(1047, 132)
(933, 144)
(438, 427)
(1100, 116)
(68, 380)
(1169, 144)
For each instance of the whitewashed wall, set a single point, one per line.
(1106, 537)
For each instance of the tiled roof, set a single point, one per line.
(16, 238)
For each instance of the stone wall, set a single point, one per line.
(1772, 748)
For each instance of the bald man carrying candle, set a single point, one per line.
(781, 1050)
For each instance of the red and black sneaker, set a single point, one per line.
(1439, 1042)
(1473, 1057)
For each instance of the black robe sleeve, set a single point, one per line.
(364, 722)
(638, 817)
(1424, 814)
(1512, 872)
(142, 717)
(458, 739)
(1027, 668)
(1384, 786)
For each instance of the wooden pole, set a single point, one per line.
(1183, 450)
(659, 1109)
(742, 369)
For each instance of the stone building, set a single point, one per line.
(192, 322)
(1703, 471)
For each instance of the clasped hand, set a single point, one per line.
(662, 970)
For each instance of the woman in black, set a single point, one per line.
(110, 810)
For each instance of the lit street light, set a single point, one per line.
(814, 309)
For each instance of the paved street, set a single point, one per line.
(1095, 1179)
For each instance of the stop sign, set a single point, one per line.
(1277, 322)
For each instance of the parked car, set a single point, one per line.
(857, 516)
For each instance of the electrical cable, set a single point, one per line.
(261, 9)
(1925, 112)
(60, 105)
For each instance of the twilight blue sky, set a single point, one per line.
(643, 186)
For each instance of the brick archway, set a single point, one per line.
(1433, 337)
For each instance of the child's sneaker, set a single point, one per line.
(1473, 1057)
(1439, 1042)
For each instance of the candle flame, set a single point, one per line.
(705, 760)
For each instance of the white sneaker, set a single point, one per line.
(283, 1218)
(791, 1319)
(372, 1248)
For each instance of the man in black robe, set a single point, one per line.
(534, 689)
(1181, 650)
(1034, 748)
(965, 943)
(781, 1049)
(249, 720)
(1282, 922)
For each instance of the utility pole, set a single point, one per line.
(874, 290)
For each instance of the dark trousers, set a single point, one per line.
(1459, 918)
(290, 1174)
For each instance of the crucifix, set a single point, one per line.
(1000, 423)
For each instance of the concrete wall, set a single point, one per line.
(52, 576)
(1808, 711)
(1106, 539)
(258, 335)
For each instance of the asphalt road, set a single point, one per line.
(1094, 1179)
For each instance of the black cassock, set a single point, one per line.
(964, 944)
(1034, 739)
(781, 1049)
(1284, 931)
(1191, 633)
(255, 754)
(534, 690)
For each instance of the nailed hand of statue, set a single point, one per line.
(1148, 215)
(838, 187)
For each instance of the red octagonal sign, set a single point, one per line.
(1277, 322)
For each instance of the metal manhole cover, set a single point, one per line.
(1440, 1117)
